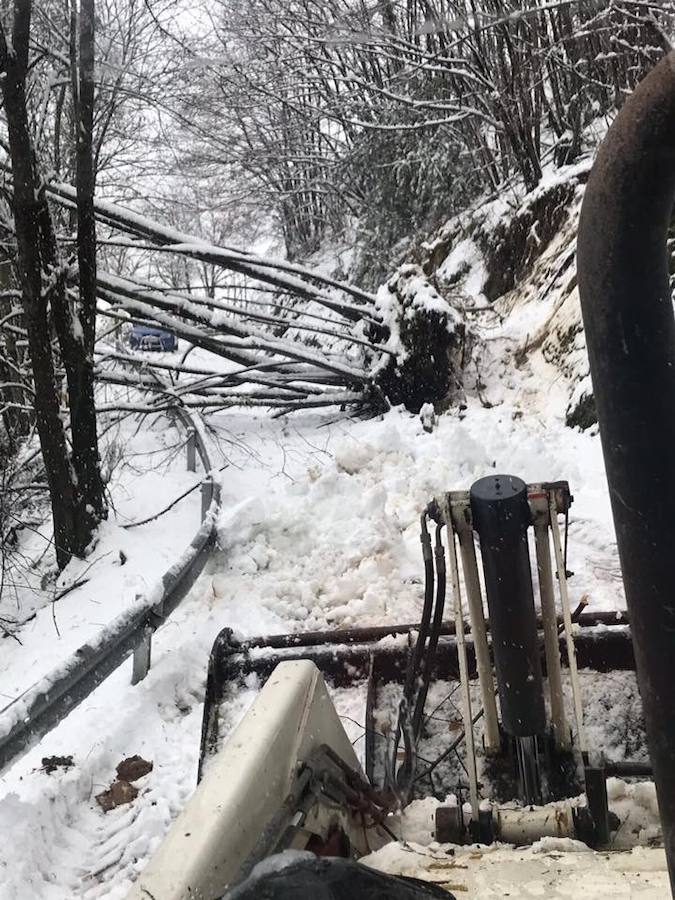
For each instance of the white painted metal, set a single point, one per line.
(245, 784)
(561, 730)
(463, 675)
(479, 634)
(524, 826)
(567, 621)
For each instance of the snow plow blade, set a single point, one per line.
(287, 777)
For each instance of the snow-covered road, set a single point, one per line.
(319, 529)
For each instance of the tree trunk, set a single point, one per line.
(80, 363)
(26, 207)
(75, 486)
(13, 396)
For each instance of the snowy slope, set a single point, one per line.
(510, 266)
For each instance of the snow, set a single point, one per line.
(465, 260)
(553, 873)
(637, 808)
(406, 293)
(340, 546)
(123, 565)
(318, 529)
(559, 845)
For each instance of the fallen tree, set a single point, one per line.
(294, 337)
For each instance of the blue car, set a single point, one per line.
(148, 337)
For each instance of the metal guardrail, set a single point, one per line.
(30, 716)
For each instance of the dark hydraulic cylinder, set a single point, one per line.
(501, 516)
(630, 334)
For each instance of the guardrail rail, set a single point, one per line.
(25, 720)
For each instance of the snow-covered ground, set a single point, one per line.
(60, 612)
(554, 869)
(319, 528)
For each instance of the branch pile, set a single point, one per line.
(296, 338)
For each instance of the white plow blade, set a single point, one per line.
(244, 785)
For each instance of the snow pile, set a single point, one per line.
(405, 294)
(417, 822)
(124, 564)
(319, 528)
(637, 808)
(559, 845)
(339, 544)
(435, 862)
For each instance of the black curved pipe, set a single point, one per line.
(417, 653)
(430, 657)
(427, 555)
(630, 334)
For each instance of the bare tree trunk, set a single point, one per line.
(15, 394)
(75, 486)
(81, 362)
(27, 202)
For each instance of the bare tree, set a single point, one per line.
(336, 110)
(75, 486)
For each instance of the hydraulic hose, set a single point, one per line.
(417, 653)
(427, 556)
(430, 656)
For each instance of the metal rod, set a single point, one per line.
(567, 621)
(369, 633)
(464, 676)
(629, 768)
(550, 625)
(479, 633)
(371, 700)
(610, 651)
(630, 334)
(598, 805)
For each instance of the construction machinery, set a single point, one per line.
(288, 778)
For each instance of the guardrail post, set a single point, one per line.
(207, 494)
(191, 450)
(142, 657)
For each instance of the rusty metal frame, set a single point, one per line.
(356, 655)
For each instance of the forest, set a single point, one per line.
(147, 144)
